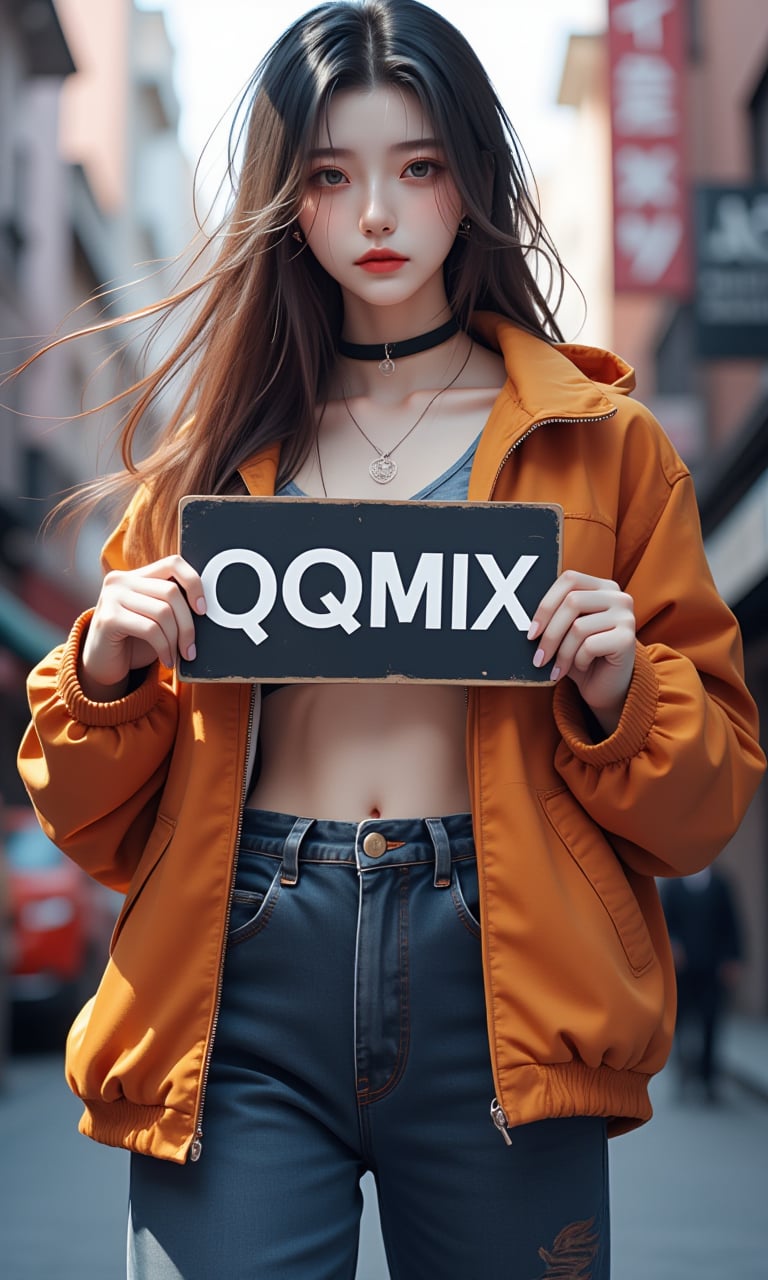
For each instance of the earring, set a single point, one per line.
(465, 226)
(297, 236)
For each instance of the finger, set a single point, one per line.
(568, 581)
(583, 629)
(575, 605)
(596, 635)
(142, 617)
(179, 627)
(615, 646)
(173, 616)
(176, 568)
(139, 615)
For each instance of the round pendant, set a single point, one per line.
(383, 469)
(387, 367)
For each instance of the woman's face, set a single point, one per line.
(381, 210)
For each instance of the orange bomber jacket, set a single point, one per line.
(146, 793)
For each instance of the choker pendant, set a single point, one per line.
(403, 347)
(387, 365)
(383, 469)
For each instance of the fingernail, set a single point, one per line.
(555, 673)
(534, 630)
(538, 657)
(200, 604)
(191, 653)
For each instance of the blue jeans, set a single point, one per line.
(352, 1036)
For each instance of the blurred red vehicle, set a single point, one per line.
(61, 923)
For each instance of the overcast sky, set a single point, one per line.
(520, 42)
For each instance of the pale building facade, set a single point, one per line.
(94, 193)
(715, 409)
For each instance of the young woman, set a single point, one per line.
(417, 931)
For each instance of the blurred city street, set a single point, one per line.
(688, 1189)
(646, 124)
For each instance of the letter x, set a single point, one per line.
(504, 591)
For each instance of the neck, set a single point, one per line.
(371, 325)
(427, 370)
(368, 324)
(365, 322)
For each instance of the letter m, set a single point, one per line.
(386, 580)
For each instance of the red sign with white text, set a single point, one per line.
(651, 218)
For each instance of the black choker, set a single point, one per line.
(384, 351)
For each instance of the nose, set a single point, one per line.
(377, 216)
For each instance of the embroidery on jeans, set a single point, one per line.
(573, 1252)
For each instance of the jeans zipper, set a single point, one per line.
(196, 1149)
(498, 1114)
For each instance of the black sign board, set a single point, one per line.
(732, 271)
(302, 589)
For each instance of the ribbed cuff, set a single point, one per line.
(101, 714)
(631, 733)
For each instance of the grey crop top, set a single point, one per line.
(451, 486)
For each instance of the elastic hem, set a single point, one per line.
(101, 714)
(148, 1130)
(631, 733)
(528, 1093)
(534, 1092)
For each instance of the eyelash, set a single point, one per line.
(316, 178)
(435, 168)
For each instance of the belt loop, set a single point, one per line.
(442, 852)
(289, 873)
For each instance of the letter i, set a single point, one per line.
(459, 598)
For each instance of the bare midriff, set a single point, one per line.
(355, 751)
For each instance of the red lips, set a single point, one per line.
(381, 261)
(380, 255)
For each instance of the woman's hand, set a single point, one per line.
(141, 615)
(587, 626)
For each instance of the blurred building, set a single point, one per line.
(699, 345)
(94, 192)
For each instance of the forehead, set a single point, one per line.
(359, 119)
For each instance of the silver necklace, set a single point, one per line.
(383, 468)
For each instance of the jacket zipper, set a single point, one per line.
(545, 422)
(498, 1114)
(499, 1118)
(196, 1149)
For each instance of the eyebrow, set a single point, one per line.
(322, 152)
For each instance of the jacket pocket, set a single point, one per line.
(159, 839)
(593, 854)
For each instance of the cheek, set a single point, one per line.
(449, 203)
(319, 225)
(437, 213)
(307, 218)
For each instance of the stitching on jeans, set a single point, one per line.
(404, 1042)
(462, 910)
(262, 919)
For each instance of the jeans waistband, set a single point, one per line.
(370, 844)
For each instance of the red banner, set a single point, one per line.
(651, 218)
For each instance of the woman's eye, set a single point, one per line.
(328, 178)
(421, 168)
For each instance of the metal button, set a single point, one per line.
(375, 844)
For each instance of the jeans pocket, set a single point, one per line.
(257, 889)
(465, 891)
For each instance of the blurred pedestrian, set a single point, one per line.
(707, 944)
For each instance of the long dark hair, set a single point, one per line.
(257, 354)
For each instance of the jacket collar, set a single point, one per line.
(544, 381)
